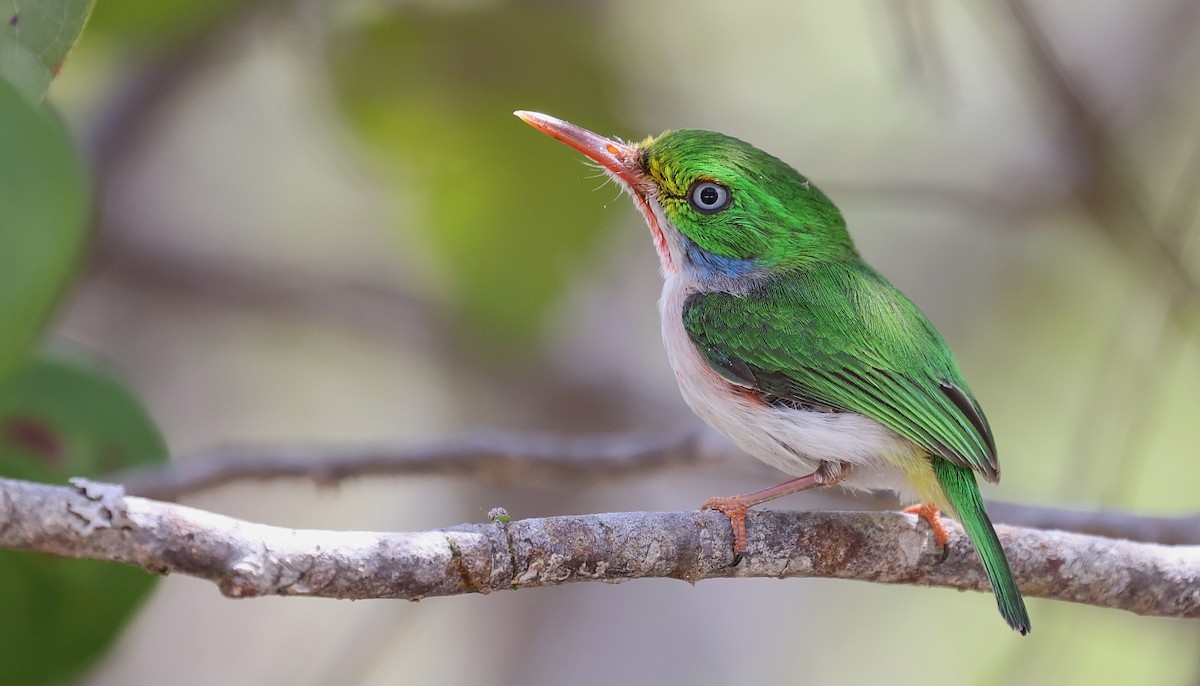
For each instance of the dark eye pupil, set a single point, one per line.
(708, 197)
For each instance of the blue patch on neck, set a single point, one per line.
(709, 266)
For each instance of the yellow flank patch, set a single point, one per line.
(918, 472)
(920, 475)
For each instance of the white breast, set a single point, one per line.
(794, 441)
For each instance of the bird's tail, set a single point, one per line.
(962, 492)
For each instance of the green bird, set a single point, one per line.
(786, 341)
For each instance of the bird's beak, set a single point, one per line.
(621, 159)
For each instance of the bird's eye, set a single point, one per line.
(708, 197)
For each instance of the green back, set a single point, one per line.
(838, 334)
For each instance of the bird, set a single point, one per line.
(786, 341)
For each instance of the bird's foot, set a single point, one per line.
(929, 512)
(735, 508)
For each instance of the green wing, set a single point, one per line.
(841, 336)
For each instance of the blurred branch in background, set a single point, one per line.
(244, 559)
(1110, 191)
(1107, 187)
(922, 48)
(527, 459)
(1163, 344)
(545, 460)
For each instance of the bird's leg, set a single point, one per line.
(929, 512)
(735, 507)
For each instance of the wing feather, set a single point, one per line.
(841, 336)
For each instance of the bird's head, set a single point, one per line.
(718, 207)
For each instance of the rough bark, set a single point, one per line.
(97, 521)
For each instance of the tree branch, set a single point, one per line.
(499, 456)
(548, 460)
(245, 559)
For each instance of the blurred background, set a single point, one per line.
(320, 223)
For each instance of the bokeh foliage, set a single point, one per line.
(60, 419)
(57, 418)
(428, 91)
(43, 203)
(150, 25)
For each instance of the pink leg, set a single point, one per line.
(735, 507)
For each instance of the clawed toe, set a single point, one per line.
(735, 509)
(929, 512)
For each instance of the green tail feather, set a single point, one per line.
(963, 493)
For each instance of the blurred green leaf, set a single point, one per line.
(43, 220)
(59, 420)
(136, 23)
(35, 38)
(432, 91)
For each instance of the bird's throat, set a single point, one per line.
(661, 245)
